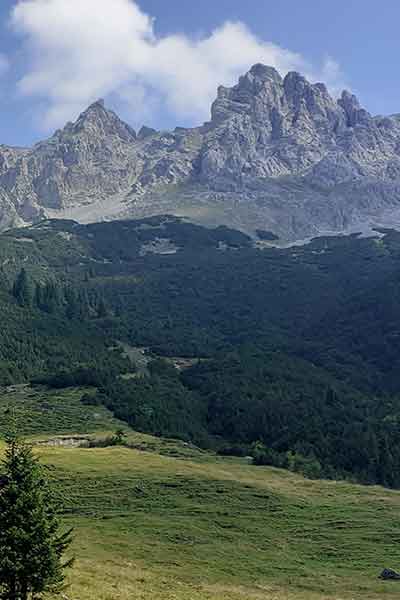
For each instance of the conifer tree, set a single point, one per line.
(102, 311)
(72, 308)
(22, 290)
(47, 297)
(31, 544)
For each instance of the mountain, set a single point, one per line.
(279, 154)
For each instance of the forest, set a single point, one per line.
(294, 351)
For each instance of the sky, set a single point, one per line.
(159, 62)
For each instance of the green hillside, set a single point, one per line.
(291, 355)
(39, 411)
(151, 526)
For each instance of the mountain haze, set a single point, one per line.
(279, 154)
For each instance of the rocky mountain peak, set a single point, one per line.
(300, 94)
(264, 95)
(97, 120)
(279, 153)
(265, 73)
(96, 110)
(294, 82)
(260, 82)
(354, 112)
(145, 132)
(98, 104)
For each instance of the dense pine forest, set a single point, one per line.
(290, 355)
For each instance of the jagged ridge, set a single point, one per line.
(278, 154)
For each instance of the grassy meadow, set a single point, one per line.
(37, 411)
(165, 521)
(152, 526)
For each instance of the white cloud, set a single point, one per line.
(84, 49)
(332, 75)
(189, 72)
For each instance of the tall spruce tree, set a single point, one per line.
(31, 543)
(22, 290)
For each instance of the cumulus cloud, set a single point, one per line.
(332, 75)
(81, 50)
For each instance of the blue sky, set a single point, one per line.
(46, 84)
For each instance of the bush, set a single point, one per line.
(233, 450)
(91, 399)
(118, 439)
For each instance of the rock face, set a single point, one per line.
(279, 154)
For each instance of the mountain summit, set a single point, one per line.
(279, 154)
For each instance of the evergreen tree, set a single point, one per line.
(83, 304)
(47, 297)
(38, 298)
(72, 304)
(102, 311)
(22, 290)
(31, 544)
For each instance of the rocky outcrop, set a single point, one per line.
(266, 127)
(278, 154)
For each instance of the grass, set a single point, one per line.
(165, 521)
(199, 527)
(39, 411)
